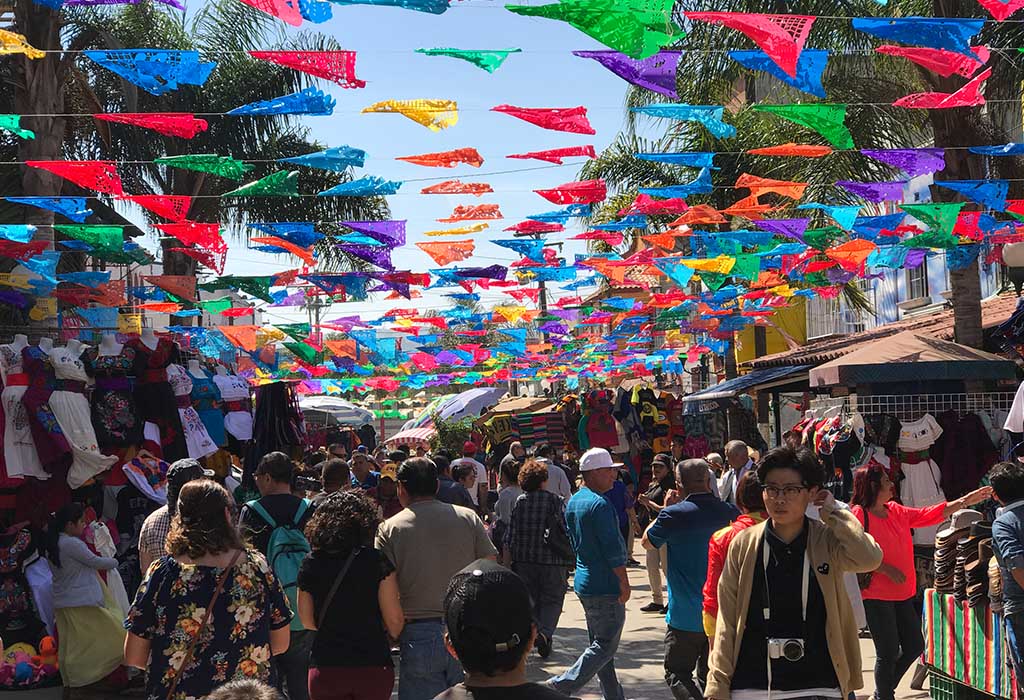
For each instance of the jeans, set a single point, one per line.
(547, 586)
(1014, 624)
(656, 562)
(426, 669)
(605, 618)
(685, 651)
(293, 666)
(896, 630)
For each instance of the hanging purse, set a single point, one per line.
(556, 538)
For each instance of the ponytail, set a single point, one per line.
(69, 513)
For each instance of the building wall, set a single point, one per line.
(792, 320)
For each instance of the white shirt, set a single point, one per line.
(481, 476)
(558, 482)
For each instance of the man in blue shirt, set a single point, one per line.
(686, 529)
(362, 475)
(600, 580)
(1007, 480)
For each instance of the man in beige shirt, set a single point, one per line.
(428, 542)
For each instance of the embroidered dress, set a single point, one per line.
(20, 454)
(50, 443)
(155, 398)
(206, 400)
(197, 439)
(235, 645)
(114, 413)
(237, 405)
(18, 619)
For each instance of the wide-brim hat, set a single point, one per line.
(960, 520)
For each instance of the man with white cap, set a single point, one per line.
(600, 580)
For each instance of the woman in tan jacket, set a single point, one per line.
(785, 627)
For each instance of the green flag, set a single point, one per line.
(283, 182)
(224, 166)
(490, 61)
(940, 216)
(827, 119)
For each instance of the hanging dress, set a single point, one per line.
(237, 405)
(155, 398)
(71, 409)
(206, 400)
(114, 413)
(50, 442)
(921, 475)
(19, 621)
(20, 454)
(197, 439)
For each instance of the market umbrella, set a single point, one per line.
(331, 410)
(424, 417)
(413, 437)
(469, 404)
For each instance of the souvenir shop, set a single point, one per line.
(99, 425)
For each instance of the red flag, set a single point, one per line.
(1001, 9)
(457, 187)
(572, 119)
(172, 207)
(555, 155)
(287, 10)
(185, 125)
(446, 159)
(585, 192)
(531, 226)
(237, 312)
(798, 150)
(98, 175)
(782, 37)
(195, 233)
(967, 96)
(337, 66)
(213, 259)
(474, 212)
(945, 63)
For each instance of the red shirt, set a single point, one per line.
(717, 549)
(893, 535)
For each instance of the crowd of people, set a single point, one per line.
(346, 562)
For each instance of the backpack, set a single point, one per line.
(286, 549)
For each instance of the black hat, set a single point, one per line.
(488, 610)
(180, 473)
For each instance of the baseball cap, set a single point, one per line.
(663, 459)
(180, 473)
(597, 458)
(389, 471)
(469, 448)
(488, 612)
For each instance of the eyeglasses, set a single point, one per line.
(786, 492)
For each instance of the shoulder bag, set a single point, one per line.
(334, 587)
(556, 538)
(202, 627)
(864, 580)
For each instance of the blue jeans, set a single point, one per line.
(426, 669)
(605, 618)
(1014, 624)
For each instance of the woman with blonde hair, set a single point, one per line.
(210, 611)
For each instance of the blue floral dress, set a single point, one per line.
(169, 609)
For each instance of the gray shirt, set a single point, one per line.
(76, 582)
(1008, 547)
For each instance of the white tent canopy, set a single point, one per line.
(332, 410)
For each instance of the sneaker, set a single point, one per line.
(543, 646)
(653, 608)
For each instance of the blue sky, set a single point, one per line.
(545, 74)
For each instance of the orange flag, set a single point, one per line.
(161, 307)
(183, 286)
(473, 212)
(798, 150)
(852, 254)
(699, 214)
(241, 336)
(666, 240)
(302, 253)
(749, 208)
(341, 348)
(448, 251)
(447, 159)
(760, 185)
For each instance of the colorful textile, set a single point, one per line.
(781, 37)
(157, 71)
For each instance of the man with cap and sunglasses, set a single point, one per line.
(154, 531)
(490, 631)
(600, 581)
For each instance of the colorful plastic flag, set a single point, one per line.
(337, 66)
(940, 61)
(940, 217)
(12, 124)
(585, 192)
(337, 159)
(912, 161)
(874, 191)
(285, 10)
(790, 228)
(489, 60)
(952, 33)
(851, 255)
(535, 227)
(186, 126)
(710, 116)
(433, 114)
(699, 185)
(532, 249)
(449, 251)
(656, 73)
(473, 212)
(689, 160)
(72, 208)
(809, 68)
(170, 207)
(99, 236)
(311, 101)
(434, 7)
(204, 235)
(390, 233)
(571, 119)
(367, 186)
(182, 286)
(781, 37)
(241, 336)
(761, 185)
(1008, 149)
(98, 175)
(555, 155)
(301, 233)
(797, 150)
(19, 233)
(1000, 10)
(458, 187)
(967, 96)
(11, 43)
(224, 166)
(214, 259)
(283, 182)
(282, 245)
(990, 193)
(447, 159)
(460, 231)
(379, 256)
(157, 71)
(826, 119)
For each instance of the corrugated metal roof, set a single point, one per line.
(939, 325)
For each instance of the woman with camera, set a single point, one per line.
(893, 615)
(785, 626)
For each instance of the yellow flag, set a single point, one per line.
(460, 231)
(722, 264)
(18, 281)
(17, 43)
(433, 114)
(44, 308)
(129, 324)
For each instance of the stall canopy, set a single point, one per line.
(724, 394)
(330, 410)
(910, 357)
(413, 436)
(469, 404)
(520, 404)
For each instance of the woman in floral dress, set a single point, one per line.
(248, 623)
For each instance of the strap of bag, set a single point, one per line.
(334, 587)
(300, 511)
(262, 512)
(202, 627)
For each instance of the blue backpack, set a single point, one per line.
(286, 549)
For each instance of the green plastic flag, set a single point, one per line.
(224, 166)
(637, 28)
(932, 239)
(940, 216)
(304, 352)
(747, 267)
(295, 330)
(284, 182)
(215, 306)
(822, 238)
(102, 237)
(490, 61)
(713, 280)
(12, 123)
(826, 119)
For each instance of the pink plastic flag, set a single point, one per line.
(967, 96)
(286, 10)
(940, 61)
(530, 226)
(98, 175)
(572, 119)
(1001, 9)
(584, 192)
(782, 37)
(186, 126)
(474, 212)
(555, 155)
(171, 207)
(458, 187)
(337, 66)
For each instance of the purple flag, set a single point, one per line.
(912, 161)
(494, 272)
(790, 228)
(553, 327)
(656, 73)
(838, 276)
(874, 191)
(295, 299)
(391, 233)
(570, 315)
(379, 256)
(915, 256)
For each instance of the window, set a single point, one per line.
(917, 282)
(822, 317)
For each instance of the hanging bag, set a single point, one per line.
(556, 538)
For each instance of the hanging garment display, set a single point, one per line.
(50, 443)
(155, 398)
(921, 475)
(236, 405)
(71, 409)
(19, 621)
(600, 423)
(206, 399)
(963, 452)
(19, 448)
(114, 413)
(197, 439)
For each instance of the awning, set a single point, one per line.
(711, 399)
(414, 436)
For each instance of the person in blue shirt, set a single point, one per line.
(685, 528)
(362, 475)
(600, 580)
(1007, 480)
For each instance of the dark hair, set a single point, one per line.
(748, 493)
(278, 466)
(343, 521)
(419, 476)
(315, 458)
(462, 471)
(200, 527)
(67, 514)
(803, 461)
(336, 445)
(532, 475)
(398, 456)
(334, 472)
(681, 439)
(510, 470)
(867, 482)
(542, 449)
(1007, 480)
(442, 463)
(244, 690)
